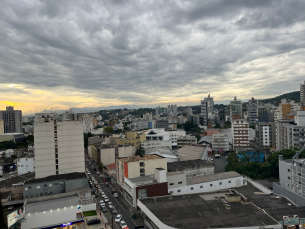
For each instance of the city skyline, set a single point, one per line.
(75, 54)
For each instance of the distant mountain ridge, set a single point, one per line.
(295, 95)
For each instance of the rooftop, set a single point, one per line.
(141, 179)
(16, 180)
(205, 211)
(190, 152)
(212, 177)
(205, 139)
(111, 166)
(164, 151)
(11, 134)
(67, 176)
(180, 165)
(139, 158)
(5, 195)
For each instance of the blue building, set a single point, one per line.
(252, 156)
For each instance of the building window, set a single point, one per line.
(41, 194)
(288, 178)
(288, 170)
(171, 192)
(141, 164)
(36, 195)
(142, 170)
(55, 184)
(26, 196)
(299, 174)
(45, 185)
(178, 190)
(180, 182)
(211, 185)
(37, 187)
(220, 183)
(46, 193)
(201, 186)
(29, 187)
(192, 188)
(171, 184)
(56, 167)
(229, 182)
(25, 189)
(50, 185)
(57, 172)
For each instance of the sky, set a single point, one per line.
(74, 53)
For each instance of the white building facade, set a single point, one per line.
(59, 146)
(25, 165)
(87, 123)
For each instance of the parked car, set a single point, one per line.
(113, 191)
(116, 195)
(106, 200)
(93, 221)
(104, 209)
(107, 183)
(98, 173)
(110, 204)
(123, 224)
(118, 218)
(112, 210)
(103, 195)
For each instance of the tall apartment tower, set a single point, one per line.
(252, 111)
(236, 109)
(207, 107)
(12, 120)
(302, 94)
(70, 115)
(240, 129)
(59, 146)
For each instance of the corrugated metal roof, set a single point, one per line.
(190, 152)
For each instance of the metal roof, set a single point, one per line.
(213, 177)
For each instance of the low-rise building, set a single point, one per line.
(207, 183)
(192, 167)
(162, 124)
(136, 166)
(14, 137)
(166, 152)
(220, 142)
(139, 126)
(53, 185)
(25, 165)
(156, 144)
(186, 140)
(145, 186)
(107, 153)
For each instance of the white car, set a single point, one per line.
(118, 218)
(104, 196)
(109, 203)
(106, 200)
(102, 203)
(123, 224)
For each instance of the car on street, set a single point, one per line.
(116, 195)
(104, 209)
(112, 210)
(103, 195)
(110, 204)
(113, 191)
(106, 200)
(93, 221)
(118, 218)
(107, 183)
(123, 224)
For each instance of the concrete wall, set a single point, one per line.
(209, 186)
(107, 156)
(258, 185)
(88, 207)
(76, 183)
(126, 151)
(293, 197)
(174, 180)
(43, 189)
(149, 166)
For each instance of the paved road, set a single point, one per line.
(119, 205)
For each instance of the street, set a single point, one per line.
(118, 203)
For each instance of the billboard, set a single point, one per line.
(15, 216)
(291, 221)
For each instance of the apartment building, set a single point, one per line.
(207, 106)
(162, 124)
(236, 111)
(131, 138)
(87, 123)
(136, 166)
(1, 126)
(186, 140)
(12, 120)
(59, 146)
(285, 108)
(252, 110)
(139, 126)
(302, 95)
(265, 135)
(220, 142)
(69, 115)
(240, 129)
(282, 133)
(292, 179)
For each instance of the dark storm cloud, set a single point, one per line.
(172, 49)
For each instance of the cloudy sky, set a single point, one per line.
(73, 53)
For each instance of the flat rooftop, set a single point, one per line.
(16, 180)
(212, 177)
(67, 176)
(197, 211)
(139, 158)
(180, 165)
(141, 179)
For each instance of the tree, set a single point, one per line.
(117, 131)
(227, 125)
(189, 125)
(217, 125)
(198, 137)
(108, 129)
(30, 138)
(101, 166)
(140, 151)
(13, 156)
(252, 126)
